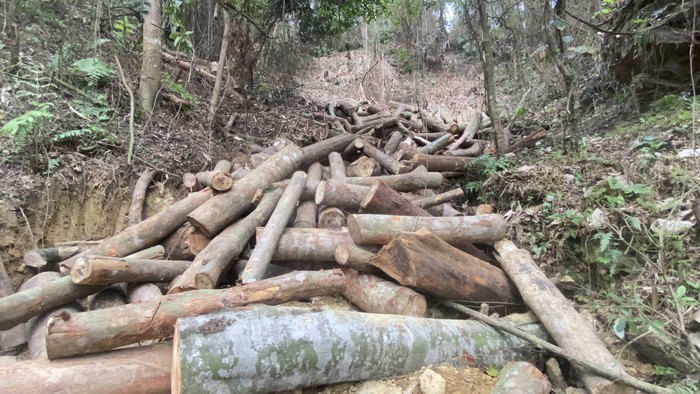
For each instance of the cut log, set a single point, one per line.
(430, 265)
(376, 295)
(153, 253)
(392, 145)
(48, 259)
(144, 234)
(110, 297)
(527, 141)
(23, 305)
(437, 125)
(220, 211)
(555, 375)
(391, 165)
(306, 214)
(189, 181)
(327, 347)
(382, 199)
(14, 337)
(353, 150)
(137, 370)
(309, 244)
(143, 292)
(214, 260)
(441, 163)
(320, 150)
(557, 314)
(439, 198)
(340, 194)
(404, 182)
(239, 173)
(469, 129)
(272, 270)
(477, 148)
(138, 197)
(337, 165)
(220, 181)
(381, 229)
(185, 243)
(521, 377)
(331, 218)
(96, 270)
(313, 178)
(97, 331)
(437, 145)
(363, 167)
(355, 257)
(267, 242)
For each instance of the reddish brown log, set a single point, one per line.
(220, 211)
(382, 199)
(521, 377)
(441, 163)
(97, 331)
(340, 194)
(439, 198)
(391, 165)
(14, 337)
(96, 270)
(424, 262)
(331, 217)
(381, 229)
(139, 196)
(144, 234)
(185, 243)
(375, 295)
(136, 370)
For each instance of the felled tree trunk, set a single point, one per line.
(95, 270)
(143, 292)
(332, 347)
(363, 167)
(437, 145)
(392, 144)
(306, 214)
(98, 331)
(440, 163)
(404, 182)
(381, 229)
(376, 295)
(355, 257)
(212, 261)
(424, 262)
(340, 194)
(146, 233)
(439, 198)
(521, 377)
(185, 243)
(320, 150)
(557, 314)
(337, 165)
(267, 241)
(110, 297)
(332, 218)
(47, 259)
(138, 197)
(220, 181)
(14, 337)
(309, 244)
(392, 166)
(382, 199)
(224, 208)
(143, 369)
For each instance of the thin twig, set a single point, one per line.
(130, 153)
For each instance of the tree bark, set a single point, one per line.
(320, 150)
(97, 331)
(149, 84)
(436, 125)
(14, 337)
(340, 194)
(521, 377)
(190, 182)
(309, 244)
(557, 315)
(143, 292)
(438, 199)
(337, 166)
(185, 243)
(110, 297)
(391, 165)
(332, 218)
(216, 92)
(490, 80)
(220, 181)
(146, 233)
(363, 167)
(469, 129)
(441, 163)
(381, 199)
(381, 229)
(138, 197)
(527, 141)
(424, 262)
(353, 150)
(332, 347)
(375, 295)
(404, 182)
(224, 208)
(306, 214)
(355, 257)
(392, 144)
(476, 149)
(267, 242)
(214, 260)
(47, 259)
(144, 369)
(437, 145)
(95, 270)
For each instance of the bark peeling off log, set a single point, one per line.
(332, 347)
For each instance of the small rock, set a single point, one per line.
(597, 219)
(377, 387)
(432, 382)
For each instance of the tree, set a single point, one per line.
(489, 79)
(149, 84)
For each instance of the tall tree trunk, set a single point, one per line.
(216, 93)
(489, 79)
(151, 64)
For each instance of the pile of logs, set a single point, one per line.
(345, 216)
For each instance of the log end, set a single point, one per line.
(221, 181)
(320, 192)
(81, 271)
(33, 259)
(342, 254)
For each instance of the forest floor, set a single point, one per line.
(587, 216)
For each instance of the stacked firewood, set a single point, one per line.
(350, 217)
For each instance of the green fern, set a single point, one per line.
(92, 69)
(27, 124)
